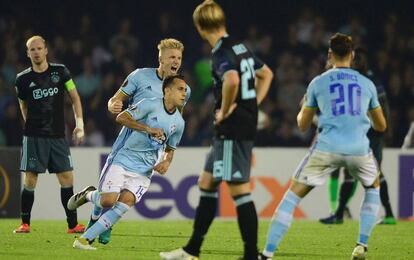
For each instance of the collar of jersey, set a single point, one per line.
(218, 44)
(168, 112)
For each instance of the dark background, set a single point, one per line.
(290, 36)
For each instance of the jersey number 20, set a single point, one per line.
(248, 74)
(342, 104)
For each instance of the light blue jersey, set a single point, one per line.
(137, 151)
(145, 83)
(343, 97)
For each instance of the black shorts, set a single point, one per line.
(41, 153)
(230, 160)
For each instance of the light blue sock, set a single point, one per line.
(281, 221)
(95, 198)
(96, 212)
(107, 220)
(369, 210)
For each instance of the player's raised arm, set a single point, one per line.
(264, 77)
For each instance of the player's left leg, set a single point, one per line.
(246, 217)
(61, 163)
(125, 201)
(283, 216)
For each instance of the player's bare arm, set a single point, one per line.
(264, 77)
(127, 120)
(163, 166)
(23, 108)
(377, 119)
(231, 81)
(305, 118)
(78, 132)
(115, 103)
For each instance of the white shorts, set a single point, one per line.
(115, 179)
(317, 166)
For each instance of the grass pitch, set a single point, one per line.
(145, 239)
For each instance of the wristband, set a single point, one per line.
(79, 122)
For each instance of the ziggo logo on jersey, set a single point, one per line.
(167, 197)
(41, 93)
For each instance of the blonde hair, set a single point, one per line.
(34, 38)
(209, 16)
(170, 43)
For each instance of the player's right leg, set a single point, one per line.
(313, 170)
(34, 159)
(365, 169)
(27, 199)
(283, 217)
(205, 213)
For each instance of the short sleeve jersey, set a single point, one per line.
(145, 83)
(44, 94)
(229, 55)
(138, 151)
(343, 97)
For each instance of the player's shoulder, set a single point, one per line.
(142, 72)
(139, 71)
(151, 100)
(57, 66)
(24, 73)
(225, 45)
(365, 80)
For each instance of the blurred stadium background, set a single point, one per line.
(103, 42)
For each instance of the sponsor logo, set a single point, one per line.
(42, 93)
(32, 84)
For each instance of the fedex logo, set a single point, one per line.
(163, 197)
(179, 197)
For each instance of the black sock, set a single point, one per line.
(71, 215)
(345, 194)
(385, 199)
(205, 213)
(248, 225)
(26, 205)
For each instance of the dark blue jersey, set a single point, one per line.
(230, 55)
(44, 95)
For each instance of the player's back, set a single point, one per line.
(343, 96)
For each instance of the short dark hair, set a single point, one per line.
(168, 81)
(341, 45)
(360, 62)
